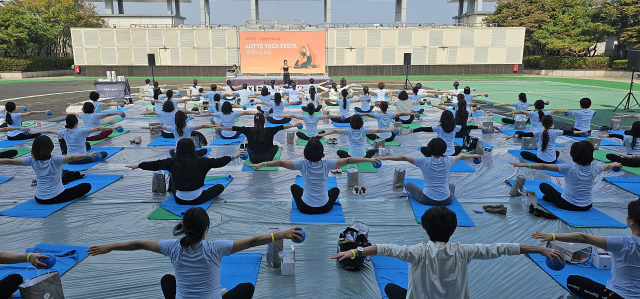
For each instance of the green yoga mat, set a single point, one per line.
(21, 151)
(149, 115)
(600, 155)
(142, 102)
(304, 142)
(114, 134)
(28, 123)
(161, 214)
(393, 142)
(498, 119)
(277, 157)
(411, 126)
(362, 167)
(149, 106)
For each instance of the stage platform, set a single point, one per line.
(266, 80)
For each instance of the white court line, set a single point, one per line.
(44, 95)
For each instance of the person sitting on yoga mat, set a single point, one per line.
(227, 117)
(546, 142)
(196, 261)
(384, 119)
(265, 96)
(439, 268)
(228, 88)
(405, 105)
(192, 89)
(94, 97)
(294, 92)
(11, 283)
(159, 99)
(416, 97)
(210, 95)
(631, 140)
(366, 106)
(91, 119)
(437, 190)
(259, 139)
(468, 96)
(536, 116)
(168, 116)
(446, 131)
(277, 109)
(521, 105)
(10, 153)
(460, 113)
(14, 120)
(273, 88)
(583, 116)
(579, 178)
(246, 95)
(48, 169)
(357, 135)
(314, 98)
(344, 104)
(311, 122)
(215, 107)
(625, 260)
(180, 130)
(188, 172)
(314, 197)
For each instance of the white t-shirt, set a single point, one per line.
(314, 176)
(228, 89)
(456, 92)
(435, 173)
(315, 102)
(91, 120)
(536, 125)
(311, 122)
(381, 94)
(520, 106)
(195, 89)
(278, 110)
(189, 195)
(448, 138)
(583, 119)
(48, 174)
(197, 269)
(168, 118)
(357, 139)
(549, 154)
(186, 132)
(244, 96)
(344, 111)
(228, 120)
(628, 141)
(579, 181)
(625, 266)
(294, 96)
(384, 122)
(75, 139)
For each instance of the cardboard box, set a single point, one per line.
(531, 199)
(288, 263)
(600, 260)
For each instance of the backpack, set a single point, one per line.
(469, 143)
(352, 238)
(203, 140)
(70, 176)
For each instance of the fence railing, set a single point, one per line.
(301, 25)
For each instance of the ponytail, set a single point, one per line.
(345, 93)
(195, 222)
(181, 122)
(461, 112)
(547, 122)
(312, 93)
(9, 107)
(277, 98)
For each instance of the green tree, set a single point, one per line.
(624, 17)
(20, 31)
(531, 14)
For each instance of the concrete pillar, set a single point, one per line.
(108, 7)
(471, 6)
(169, 7)
(479, 5)
(460, 11)
(121, 7)
(178, 8)
(327, 11)
(401, 11)
(205, 12)
(255, 10)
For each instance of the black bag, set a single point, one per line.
(203, 140)
(469, 143)
(352, 238)
(70, 176)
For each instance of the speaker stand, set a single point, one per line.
(407, 83)
(626, 101)
(153, 77)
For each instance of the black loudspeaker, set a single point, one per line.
(151, 59)
(407, 58)
(633, 60)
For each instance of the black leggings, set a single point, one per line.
(9, 285)
(259, 158)
(305, 137)
(8, 154)
(589, 289)
(241, 291)
(406, 122)
(206, 195)
(395, 291)
(534, 158)
(553, 196)
(68, 194)
(339, 120)
(512, 121)
(286, 78)
(344, 154)
(426, 152)
(304, 108)
(236, 135)
(358, 109)
(166, 134)
(285, 120)
(23, 136)
(297, 192)
(88, 160)
(375, 137)
(331, 104)
(614, 158)
(201, 152)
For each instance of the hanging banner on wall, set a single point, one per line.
(265, 52)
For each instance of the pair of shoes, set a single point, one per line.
(242, 146)
(277, 143)
(336, 170)
(493, 206)
(359, 190)
(540, 213)
(178, 229)
(496, 209)
(331, 140)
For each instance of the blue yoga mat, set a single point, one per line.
(66, 257)
(341, 125)
(5, 178)
(223, 141)
(112, 111)
(299, 106)
(32, 209)
(590, 218)
(270, 125)
(603, 142)
(631, 184)
(455, 206)
(591, 272)
(334, 216)
(80, 167)
(551, 173)
(356, 112)
(619, 132)
(390, 270)
(239, 268)
(458, 141)
(512, 132)
(170, 203)
(9, 143)
(188, 119)
(161, 141)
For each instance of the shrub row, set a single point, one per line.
(566, 62)
(34, 64)
(619, 64)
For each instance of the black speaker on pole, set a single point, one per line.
(633, 60)
(407, 58)
(151, 59)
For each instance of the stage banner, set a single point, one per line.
(264, 52)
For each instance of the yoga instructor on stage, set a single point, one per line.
(285, 73)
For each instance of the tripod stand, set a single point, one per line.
(407, 83)
(626, 101)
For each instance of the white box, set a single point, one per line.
(531, 199)
(288, 264)
(600, 260)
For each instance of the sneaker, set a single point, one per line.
(336, 170)
(138, 139)
(540, 213)
(356, 190)
(363, 190)
(178, 229)
(34, 182)
(493, 206)
(223, 291)
(501, 211)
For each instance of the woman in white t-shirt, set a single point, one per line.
(344, 103)
(357, 135)
(168, 116)
(276, 109)
(215, 107)
(521, 105)
(546, 142)
(579, 178)
(385, 120)
(315, 98)
(381, 93)
(406, 104)
(196, 261)
(48, 169)
(437, 191)
(91, 119)
(631, 140)
(311, 121)
(446, 131)
(536, 115)
(181, 130)
(14, 120)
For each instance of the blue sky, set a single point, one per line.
(312, 12)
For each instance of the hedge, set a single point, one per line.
(565, 62)
(619, 64)
(34, 64)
